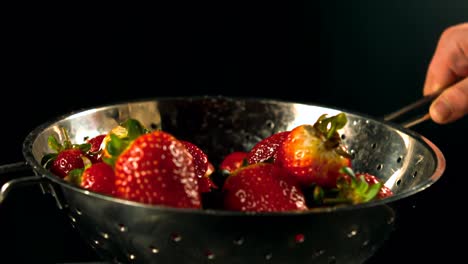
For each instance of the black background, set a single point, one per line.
(365, 56)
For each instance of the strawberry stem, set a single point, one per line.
(329, 126)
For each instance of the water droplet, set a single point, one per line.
(72, 219)
(154, 250)
(105, 235)
(131, 257)
(78, 211)
(365, 243)
(241, 194)
(391, 220)
(299, 154)
(239, 241)
(268, 256)
(96, 242)
(176, 237)
(209, 254)
(122, 228)
(318, 253)
(299, 238)
(352, 233)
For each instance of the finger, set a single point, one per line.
(451, 104)
(450, 61)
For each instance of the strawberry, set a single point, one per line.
(261, 187)
(66, 156)
(98, 177)
(95, 143)
(353, 188)
(233, 161)
(314, 154)
(156, 168)
(118, 139)
(266, 149)
(67, 160)
(94, 153)
(203, 167)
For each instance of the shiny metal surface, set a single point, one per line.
(124, 231)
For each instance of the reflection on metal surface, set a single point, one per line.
(153, 234)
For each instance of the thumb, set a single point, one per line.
(451, 104)
(450, 60)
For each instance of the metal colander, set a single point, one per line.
(128, 232)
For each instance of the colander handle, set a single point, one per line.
(419, 104)
(7, 170)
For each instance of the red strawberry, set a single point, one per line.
(98, 177)
(266, 149)
(203, 167)
(94, 153)
(233, 161)
(96, 143)
(314, 153)
(261, 187)
(156, 168)
(67, 160)
(66, 156)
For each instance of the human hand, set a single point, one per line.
(449, 69)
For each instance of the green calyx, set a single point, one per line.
(349, 190)
(356, 189)
(328, 128)
(117, 144)
(75, 176)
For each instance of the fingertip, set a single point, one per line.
(440, 111)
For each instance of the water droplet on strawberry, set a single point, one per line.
(242, 195)
(299, 238)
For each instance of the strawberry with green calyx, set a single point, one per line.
(97, 177)
(384, 191)
(262, 187)
(66, 156)
(352, 189)
(314, 154)
(120, 138)
(156, 168)
(266, 149)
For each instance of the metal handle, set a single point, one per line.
(419, 104)
(7, 169)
